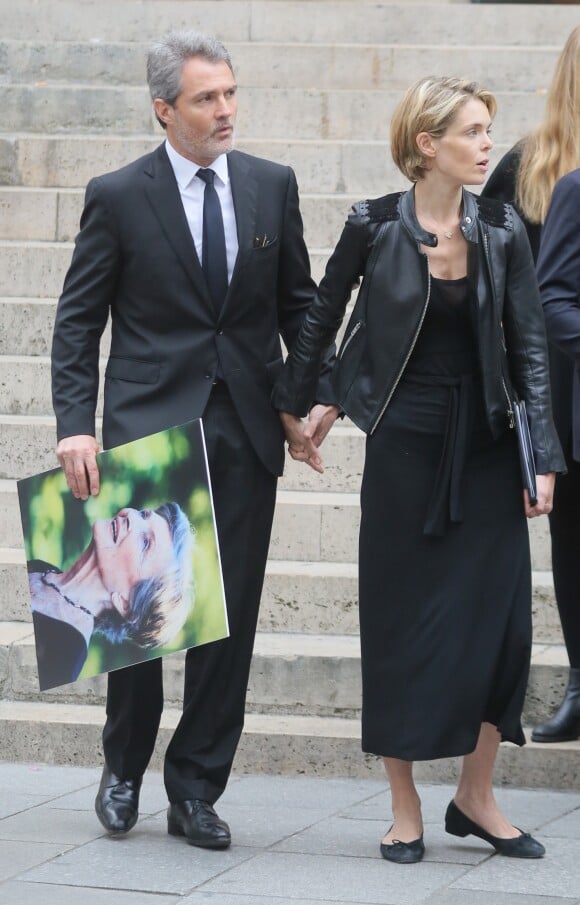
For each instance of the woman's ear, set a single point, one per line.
(426, 144)
(121, 603)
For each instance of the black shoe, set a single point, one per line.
(117, 803)
(564, 726)
(403, 852)
(199, 823)
(523, 846)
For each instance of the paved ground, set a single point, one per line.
(296, 840)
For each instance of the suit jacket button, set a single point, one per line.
(220, 332)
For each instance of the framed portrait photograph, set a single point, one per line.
(132, 573)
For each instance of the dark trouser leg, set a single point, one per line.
(134, 705)
(201, 752)
(565, 533)
(564, 725)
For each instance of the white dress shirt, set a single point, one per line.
(191, 189)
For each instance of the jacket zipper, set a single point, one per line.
(510, 411)
(409, 353)
(370, 266)
(350, 337)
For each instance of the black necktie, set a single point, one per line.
(214, 260)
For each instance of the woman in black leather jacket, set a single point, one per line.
(446, 326)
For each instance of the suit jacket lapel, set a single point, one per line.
(244, 194)
(163, 193)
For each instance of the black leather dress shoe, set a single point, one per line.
(199, 823)
(523, 846)
(117, 803)
(403, 852)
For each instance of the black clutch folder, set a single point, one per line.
(527, 462)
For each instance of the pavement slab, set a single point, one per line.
(296, 839)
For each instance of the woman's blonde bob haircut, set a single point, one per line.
(430, 105)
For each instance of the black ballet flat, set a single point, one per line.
(524, 846)
(403, 852)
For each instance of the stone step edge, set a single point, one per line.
(301, 568)
(287, 497)
(273, 744)
(232, 45)
(301, 644)
(258, 723)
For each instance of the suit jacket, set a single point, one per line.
(559, 279)
(135, 259)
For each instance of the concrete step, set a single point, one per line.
(53, 215)
(308, 526)
(303, 675)
(27, 447)
(26, 326)
(359, 168)
(305, 597)
(364, 22)
(290, 65)
(37, 269)
(320, 746)
(265, 112)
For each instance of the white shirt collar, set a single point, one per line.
(185, 169)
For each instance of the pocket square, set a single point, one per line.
(264, 241)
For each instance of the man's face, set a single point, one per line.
(200, 126)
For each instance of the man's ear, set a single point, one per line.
(163, 110)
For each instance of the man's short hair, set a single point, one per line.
(166, 57)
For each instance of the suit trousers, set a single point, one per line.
(199, 757)
(565, 537)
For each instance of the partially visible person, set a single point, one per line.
(559, 279)
(132, 583)
(448, 312)
(526, 177)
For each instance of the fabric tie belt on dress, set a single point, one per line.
(445, 504)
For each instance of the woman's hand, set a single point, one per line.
(545, 488)
(300, 447)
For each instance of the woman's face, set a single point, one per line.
(462, 153)
(134, 545)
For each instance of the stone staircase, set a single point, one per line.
(318, 81)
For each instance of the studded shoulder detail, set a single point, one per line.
(495, 213)
(385, 208)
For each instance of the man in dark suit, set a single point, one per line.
(197, 253)
(559, 279)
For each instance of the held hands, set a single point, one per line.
(545, 488)
(76, 455)
(304, 439)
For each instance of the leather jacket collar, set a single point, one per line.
(409, 220)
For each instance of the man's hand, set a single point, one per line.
(545, 489)
(320, 420)
(300, 447)
(77, 458)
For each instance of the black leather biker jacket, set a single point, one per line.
(381, 242)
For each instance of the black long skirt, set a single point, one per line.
(445, 615)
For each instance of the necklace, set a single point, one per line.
(77, 606)
(447, 233)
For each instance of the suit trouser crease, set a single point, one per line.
(199, 757)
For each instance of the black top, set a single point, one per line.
(446, 343)
(61, 649)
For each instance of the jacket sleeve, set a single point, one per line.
(559, 267)
(527, 351)
(81, 316)
(296, 388)
(296, 289)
